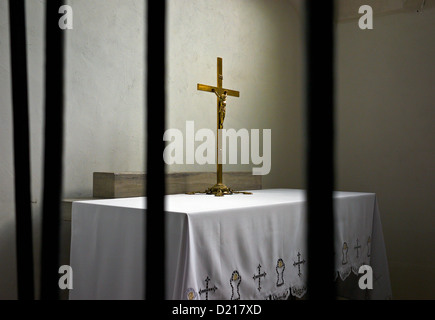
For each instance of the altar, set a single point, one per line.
(233, 247)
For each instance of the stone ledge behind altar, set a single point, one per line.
(133, 184)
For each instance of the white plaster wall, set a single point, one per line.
(105, 114)
(385, 136)
(104, 117)
(259, 43)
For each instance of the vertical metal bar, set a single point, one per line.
(155, 119)
(53, 151)
(23, 210)
(320, 147)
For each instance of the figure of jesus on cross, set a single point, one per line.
(222, 107)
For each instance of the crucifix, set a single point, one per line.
(219, 189)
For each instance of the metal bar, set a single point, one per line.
(155, 185)
(53, 151)
(320, 147)
(23, 210)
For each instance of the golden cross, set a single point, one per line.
(219, 189)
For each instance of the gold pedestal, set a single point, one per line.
(219, 190)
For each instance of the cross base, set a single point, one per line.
(219, 190)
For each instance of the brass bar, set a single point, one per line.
(219, 85)
(204, 87)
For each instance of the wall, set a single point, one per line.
(104, 116)
(258, 41)
(386, 133)
(385, 111)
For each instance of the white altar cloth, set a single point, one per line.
(232, 247)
